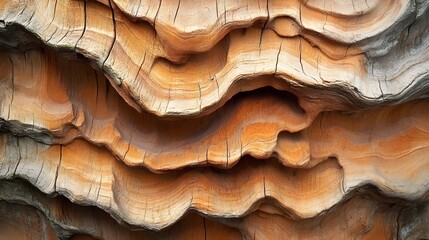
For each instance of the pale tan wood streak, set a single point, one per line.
(149, 76)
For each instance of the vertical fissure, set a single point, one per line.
(84, 24)
(114, 33)
(58, 168)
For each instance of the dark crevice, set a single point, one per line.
(367, 5)
(264, 26)
(177, 11)
(225, 12)
(140, 67)
(19, 156)
(300, 55)
(277, 57)
(58, 167)
(84, 24)
(114, 33)
(217, 85)
(156, 15)
(52, 35)
(106, 93)
(31, 18)
(169, 99)
(55, 11)
(64, 36)
(398, 225)
(260, 38)
(129, 144)
(138, 8)
(41, 169)
(381, 89)
(99, 186)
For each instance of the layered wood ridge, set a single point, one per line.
(172, 68)
(360, 216)
(126, 119)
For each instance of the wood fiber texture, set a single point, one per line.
(214, 119)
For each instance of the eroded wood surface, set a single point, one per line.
(214, 119)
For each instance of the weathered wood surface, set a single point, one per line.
(214, 119)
